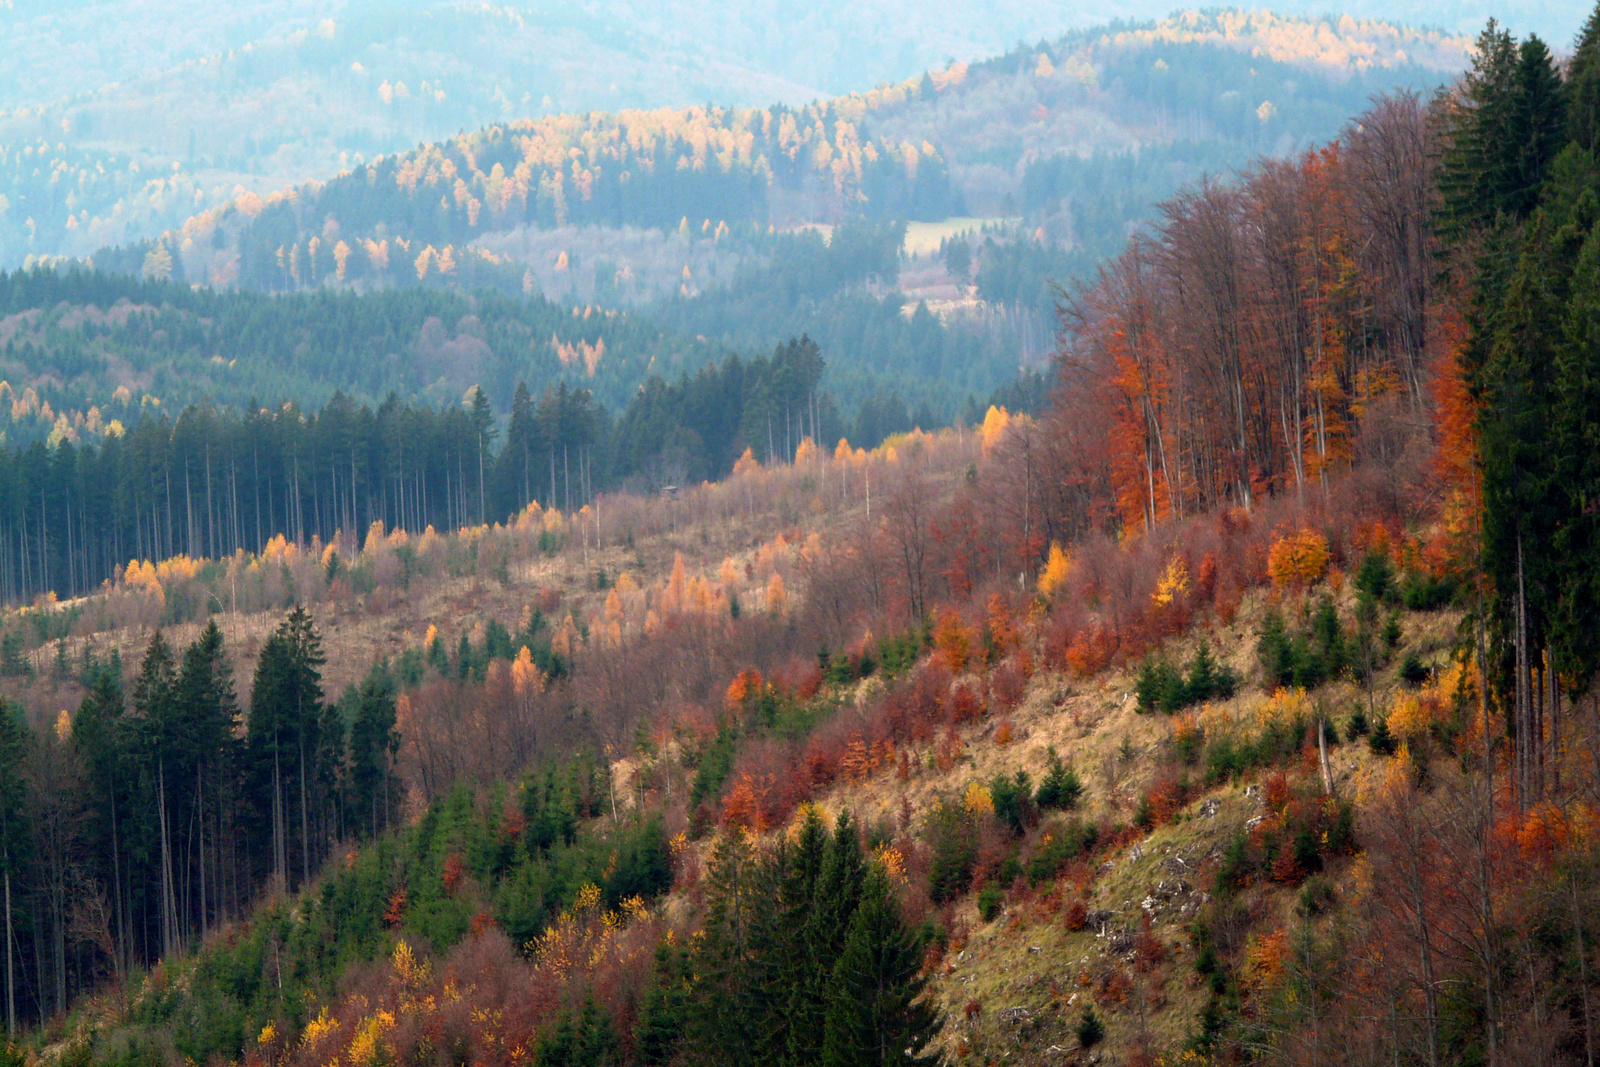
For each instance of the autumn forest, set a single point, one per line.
(1083, 555)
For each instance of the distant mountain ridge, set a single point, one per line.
(1214, 89)
(104, 145)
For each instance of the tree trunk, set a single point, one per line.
(1524, 716)
(11, 976)
(280, 866)
(200, 811)
(169, 910)
(305, 833)
(1322, 746)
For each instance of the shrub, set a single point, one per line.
(953, 841)
(1317, 896)
(1308, 659)
(1061, 787)
(1412, 670)
(1013, 801)
(1309, 829)
(1090, 1029)
(1161, 687)
(1091, 650)
(1422, 592)
(1057, 847)
(989, 901)
(1382, 742)
(1007, 684)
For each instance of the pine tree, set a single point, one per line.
(285, 737)
(98, 731)
(373, 743)
(1539, 126)
(805, 964)
(1477, 136)
(661, 1024)
(877, 1013)
(1583, 86)
(155, 711)
(1061, 786)
(205, 714)
(1524, 500)
(721, 1029)
(1577, 544)
(589, 1040)
(1503, 131)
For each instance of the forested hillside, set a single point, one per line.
(272, 95)
(1217, 89)
(1237, 705)
(688, 217)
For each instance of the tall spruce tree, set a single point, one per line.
(369, 775)
(98, 731)
(661, 1023)
(1583, 86)
(720, 1028)
(805, 973)
(1577, 543)
(207, 712)
(877, 1012)
(155, 733)
(284, 734)
(1539, 126)
(1503, 129)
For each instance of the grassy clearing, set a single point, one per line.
(924, 238)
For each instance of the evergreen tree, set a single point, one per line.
(1577, 544)
(1583, 86)
(661, 1024)
(806, 963)
(1503, 131)
(1539, 126)
(877, 1012)
(1475, 168)
(587, 1040)
(13, 845)
(373, 743)
(1525, 502)
(98, 731)
(720, 1028)
(284, 738)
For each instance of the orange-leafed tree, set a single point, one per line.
(1298, 559)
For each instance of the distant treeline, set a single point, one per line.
(81, 340)
(218, 479)
(179, 344)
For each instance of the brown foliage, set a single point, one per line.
(454, 871)
(394, 913)
(1090, 650)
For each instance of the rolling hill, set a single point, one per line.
(265, 99)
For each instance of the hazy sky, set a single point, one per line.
(60, 48)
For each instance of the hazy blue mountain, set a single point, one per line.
(131, 115)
